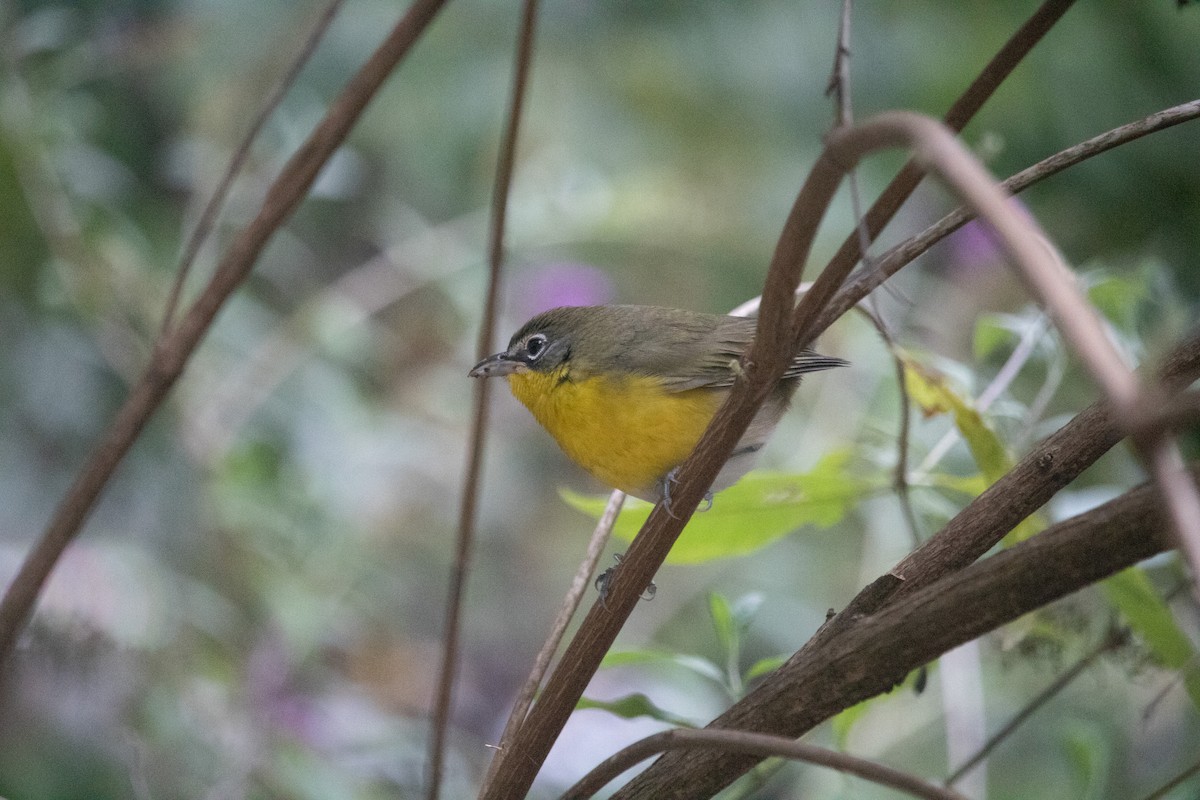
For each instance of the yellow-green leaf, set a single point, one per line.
(635, 705)
(759, 509)
(935, 396)
(844, 721)
(1134, 596)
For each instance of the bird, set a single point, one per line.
(627, 390)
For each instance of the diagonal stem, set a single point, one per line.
(465, 539)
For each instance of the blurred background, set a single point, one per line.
(254, 608)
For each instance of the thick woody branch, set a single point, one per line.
(881, 649)
(1050, 466)
(755, 744)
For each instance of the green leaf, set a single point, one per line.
(746, 607)
(991, 333)
(695, 664)
(935, 396)
(759, 509)
(933, 393)
(635, 705)
(844, 721)
(1133, 595)
(765, 666)
(1088, 752)
(724, 624)
(971, 486)
(1118, 297)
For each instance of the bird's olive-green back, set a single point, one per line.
(686, 349)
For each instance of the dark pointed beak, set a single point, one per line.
(496, 366)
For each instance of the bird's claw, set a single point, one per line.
(665, 486)
(605, 578)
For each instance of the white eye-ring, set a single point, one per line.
(535, 345)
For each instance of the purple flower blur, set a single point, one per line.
(562, 284)
(975, 246)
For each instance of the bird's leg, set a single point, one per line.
(664, 486)
(604, 578)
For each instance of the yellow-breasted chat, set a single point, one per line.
(627, 391)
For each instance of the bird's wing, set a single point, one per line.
(716, 360)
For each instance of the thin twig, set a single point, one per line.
(172, 352)
(902, 254)
(757, 744)
(840, 88)
(1171, 785)
(1115, 638)
(900, 472)
(209, 215)
(467, 510)
(839, 76)
(994, 73)
(579, 585)
(1027, 246)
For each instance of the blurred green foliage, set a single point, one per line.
(255, 607)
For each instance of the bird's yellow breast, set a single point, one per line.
(627, 431)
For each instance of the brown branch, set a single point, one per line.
(465, 539)
(755, 744)
(778, 333)
(964, 109)
(902, 254)
(172, 353)
(1050, 466)
(880, 650)
(1047, 279)
(1045, 276)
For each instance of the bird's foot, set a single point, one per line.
(665, 487)
(605, 578)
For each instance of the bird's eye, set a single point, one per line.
(536, 345)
